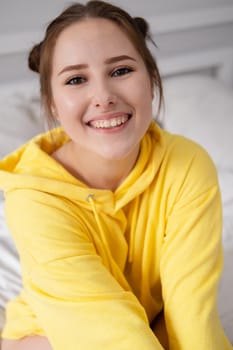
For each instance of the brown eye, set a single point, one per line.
(121, 71)
(76, 81)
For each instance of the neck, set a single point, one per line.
(107, 175)
(95, 171)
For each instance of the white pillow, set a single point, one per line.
(201, 108)
(20, 117)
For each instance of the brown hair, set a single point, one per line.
(137, 30)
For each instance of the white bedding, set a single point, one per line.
(196, 106)
(19, 114)
(10, 281)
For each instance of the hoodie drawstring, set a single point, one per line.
(108, 257)
(109, 260)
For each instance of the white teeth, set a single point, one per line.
(107, 124)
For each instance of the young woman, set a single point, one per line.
(117, 222)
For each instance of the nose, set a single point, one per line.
(103, 96)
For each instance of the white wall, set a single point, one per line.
(24, 15)
(177, 25)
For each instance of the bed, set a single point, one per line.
(198, 91)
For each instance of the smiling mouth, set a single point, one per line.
(109, 123)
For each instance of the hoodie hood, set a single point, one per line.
(32, 167)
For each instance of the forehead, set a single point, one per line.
(92, 36)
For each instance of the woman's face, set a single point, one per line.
(101, 90)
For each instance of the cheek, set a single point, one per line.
(66, 104)
(144, 97)
(143, 88)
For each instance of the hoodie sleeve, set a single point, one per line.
(191, 261)
(77, 302)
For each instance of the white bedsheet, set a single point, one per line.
(10, 275)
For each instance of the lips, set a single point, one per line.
(108, 123)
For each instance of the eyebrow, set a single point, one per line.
(118, 58)
(107, 61)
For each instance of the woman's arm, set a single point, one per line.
(76, 300)
(191, 261)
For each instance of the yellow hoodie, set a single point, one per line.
(98, 266)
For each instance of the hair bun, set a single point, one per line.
(142, 26)
(34, 58)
